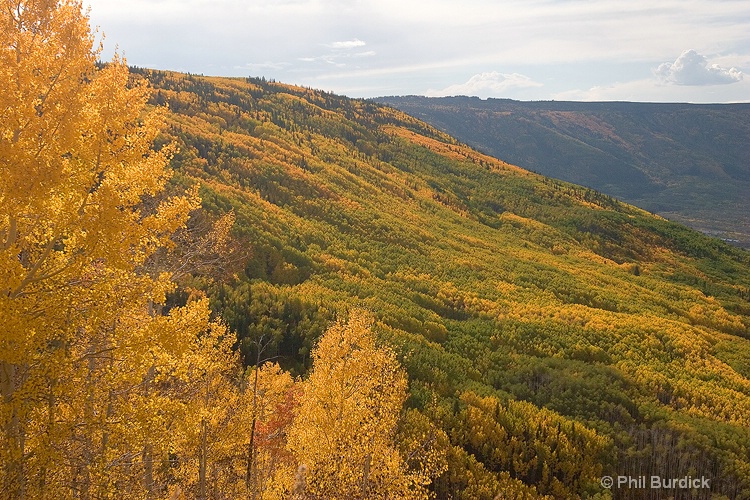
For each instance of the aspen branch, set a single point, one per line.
(12, 234)
(30, 276)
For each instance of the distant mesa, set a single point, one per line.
(686, 162)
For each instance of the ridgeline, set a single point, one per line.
(686, 162)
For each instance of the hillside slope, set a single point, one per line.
(554, 333)
(689, 163)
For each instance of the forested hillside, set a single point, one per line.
(553, 333)
(233, 288)
(689, 163)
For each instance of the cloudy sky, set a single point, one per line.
(636, 50)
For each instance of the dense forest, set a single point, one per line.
(232, 288)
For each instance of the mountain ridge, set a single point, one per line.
(687, 162)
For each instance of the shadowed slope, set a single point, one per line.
(686, 162)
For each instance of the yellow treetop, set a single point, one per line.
(343, 434)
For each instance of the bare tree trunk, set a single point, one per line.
(148, 451)
(148, 471)
(51, 403)
(14, 435)
(249, 473)
(366, 475)
(202, 462)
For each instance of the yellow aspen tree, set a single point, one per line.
(206, 439)
(86, 359)
(210, 439)
(269, 402)
(343, 435)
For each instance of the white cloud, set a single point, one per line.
(341, 52)
(348, 44)
(492, 84)
(650, 90)
(406, 47)
(263, 66)
(692, 68)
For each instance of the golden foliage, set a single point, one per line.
(343, 433)
(88, 365)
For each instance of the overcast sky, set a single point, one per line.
(635, 50)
